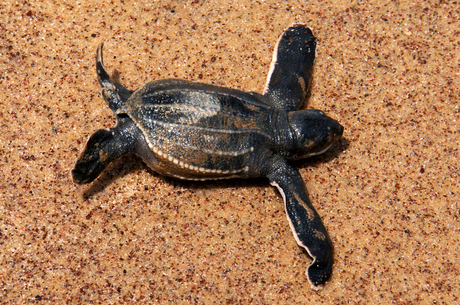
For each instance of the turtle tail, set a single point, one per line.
(114, 93)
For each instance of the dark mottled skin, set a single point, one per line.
(198, 131)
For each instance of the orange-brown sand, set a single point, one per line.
(388, 193)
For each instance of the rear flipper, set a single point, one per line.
(120, 93)
(305, 222)
(289, 79)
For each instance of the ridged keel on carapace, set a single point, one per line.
(189, 130)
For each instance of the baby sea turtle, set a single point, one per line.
(197, 131)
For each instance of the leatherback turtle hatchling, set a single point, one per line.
(197, 131)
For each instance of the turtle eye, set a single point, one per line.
(315, 132)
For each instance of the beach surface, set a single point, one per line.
(388, 192)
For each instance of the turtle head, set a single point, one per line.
(314, 133)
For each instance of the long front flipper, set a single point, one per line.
(289, 79)
(103, 147)
(305, 222)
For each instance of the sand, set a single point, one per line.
(388, 192)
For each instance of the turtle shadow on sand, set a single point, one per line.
(119, 168)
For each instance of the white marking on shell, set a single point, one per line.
(209, 138)
(193, 167)
(192, 105)
(232, 174)
(205, 129)
(223, 153)
(201, 179)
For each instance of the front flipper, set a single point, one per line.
(103, 147)
(288, 81)
(305, 222)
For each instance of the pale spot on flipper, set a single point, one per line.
(311, 214)
(107, 85)
(320, 235)
(302, 84)
(103, 156)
